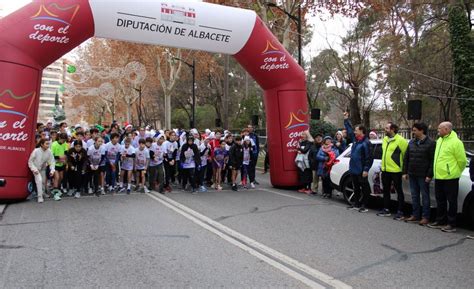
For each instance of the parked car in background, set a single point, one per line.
(342, 182)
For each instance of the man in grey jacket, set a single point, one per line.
(39, 160)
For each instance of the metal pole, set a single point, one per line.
(194, 94)
(300, 62)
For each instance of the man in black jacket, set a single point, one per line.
(236, 158)
(313, 162)
(418, 167)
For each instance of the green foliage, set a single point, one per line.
(205, 117)
(462, 47)
(322, 127)
(248, 107)
(179, 118)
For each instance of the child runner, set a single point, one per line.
(39, 160)
(236, 155)
(159, 157)
(96, 154)
(205, 150)
(190, 160)
(248, 151)
(142, 159)
(59, 149)
(112, 152)
(77, 163)
(221, 156)
(170, 149)
(153, 166)
(127, 154)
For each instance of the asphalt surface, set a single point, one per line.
(138, 242)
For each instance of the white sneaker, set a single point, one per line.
(252, 185)
(77, 195)
(90, 191)
(40, 199)
(71, 192)
(147, 191)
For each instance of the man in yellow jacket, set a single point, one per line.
(449, 163)
(394, 147)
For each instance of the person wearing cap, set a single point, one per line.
(359, 165)
(326, 158)
(373, 135)
(49, 125)
(77, 166)
(190, 161)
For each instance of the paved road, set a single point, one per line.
(263, 238)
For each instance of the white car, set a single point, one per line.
(342, 182)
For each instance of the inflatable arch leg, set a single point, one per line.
(44, 30)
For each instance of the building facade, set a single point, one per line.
(53, 78)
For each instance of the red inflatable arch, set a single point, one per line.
(44, 30)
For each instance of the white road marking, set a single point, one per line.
(247, 244)
(281, 194)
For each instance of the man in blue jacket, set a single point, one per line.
(360, 164)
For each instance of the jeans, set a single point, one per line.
(446, 192)
(387, 179)
(417, 186)
(201, 175)
(156, 173)
(244, 173)
(361, 187)
(111, 176)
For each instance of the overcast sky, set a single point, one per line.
(326, 33)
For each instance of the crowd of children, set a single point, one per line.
(112, 160)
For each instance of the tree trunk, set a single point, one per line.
(167, 111)
(355, 111)
(225, 100)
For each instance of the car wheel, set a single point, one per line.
(348, 190)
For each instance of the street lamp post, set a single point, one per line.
(193, 70)
(297, 20)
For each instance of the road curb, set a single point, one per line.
(2, 209)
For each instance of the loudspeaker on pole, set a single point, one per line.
(414, 109)
(255, 120)
(315, 113)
